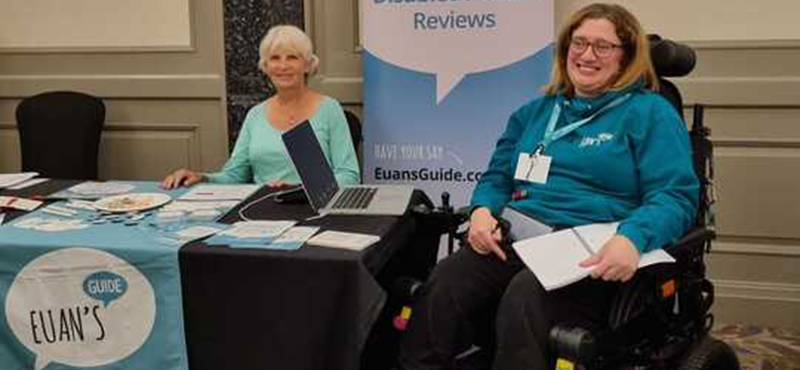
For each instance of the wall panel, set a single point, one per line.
(333, 28)
(9, 152)
(39, 25)
(125, 148)
(165, 105)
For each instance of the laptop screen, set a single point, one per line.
(311, 165)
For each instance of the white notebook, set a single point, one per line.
(554, 257)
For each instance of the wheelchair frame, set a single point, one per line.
(661, 319)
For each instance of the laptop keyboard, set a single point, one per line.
(355, 198)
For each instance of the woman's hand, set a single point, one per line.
(484, 235)
(616, 261)
(182, 177)
(277, 184)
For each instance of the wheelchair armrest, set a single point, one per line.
(443, 218)
(688, 252)
(695, 237)
(692, 245)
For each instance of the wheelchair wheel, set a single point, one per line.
(710, 354)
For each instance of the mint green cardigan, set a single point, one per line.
(260, 156)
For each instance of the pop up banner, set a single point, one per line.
(441, 78)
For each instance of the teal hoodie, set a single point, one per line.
(632, 163)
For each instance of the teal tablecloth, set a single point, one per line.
(103, 297)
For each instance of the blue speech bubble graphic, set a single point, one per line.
(105, 286)
(130, 314)
(441, 37)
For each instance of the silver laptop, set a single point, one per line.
(322, 190)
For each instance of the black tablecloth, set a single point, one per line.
(315, 308)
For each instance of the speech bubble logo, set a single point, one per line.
(105, 286)
(454, 38)
(80, 307)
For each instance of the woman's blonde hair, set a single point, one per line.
(291, 37)
(635, 64)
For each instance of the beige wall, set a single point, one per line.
(748, 75)
(164, 90)
(38, 24)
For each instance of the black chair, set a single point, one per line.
(354, 124)
(59, 134)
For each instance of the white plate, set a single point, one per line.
(132, 202)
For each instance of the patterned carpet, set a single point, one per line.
(762, 348)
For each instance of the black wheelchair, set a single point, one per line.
(661, 318)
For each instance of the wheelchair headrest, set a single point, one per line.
(670, 58)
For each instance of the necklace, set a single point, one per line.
(288, 112)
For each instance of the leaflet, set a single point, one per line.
(344, 240)
(11, 179)
(218, 192)
(251, 232)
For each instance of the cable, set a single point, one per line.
(257, 200)
(316, 217)
(271, 195)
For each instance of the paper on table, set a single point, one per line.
(219, 192)
(51, 224)
(19, 203)
(251, 232)
(97, 188)
(11, 179)
(197, 232)
(344, 240)
(296, 234)
(291, 239)
(191, 206)
(189, 234)
(27, 183)
(258, 229)
(554, 257)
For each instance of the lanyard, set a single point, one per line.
(551, 135)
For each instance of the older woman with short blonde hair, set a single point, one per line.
(287, 59)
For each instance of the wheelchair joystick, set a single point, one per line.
(452, 226)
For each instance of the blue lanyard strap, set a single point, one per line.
(551, 135)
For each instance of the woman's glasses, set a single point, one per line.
(601, 48)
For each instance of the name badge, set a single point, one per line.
(533, 168)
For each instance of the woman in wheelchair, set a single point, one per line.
(600, 146)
